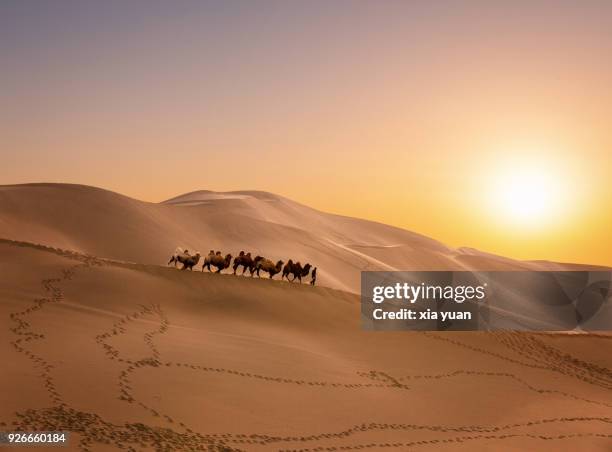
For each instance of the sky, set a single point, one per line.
(481, 124)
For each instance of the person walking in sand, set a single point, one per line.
(314, 276)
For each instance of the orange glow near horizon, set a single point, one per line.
(482, 125)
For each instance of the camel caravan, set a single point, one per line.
(254, 265)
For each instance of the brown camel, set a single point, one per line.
(287, 269)
(243, 260)
(190, 262)
(254, 265)
(268, 266)
(181, 256)
(218, 261)
(295, 269)
(246, 262)
(178, 253)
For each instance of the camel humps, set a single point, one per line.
(217, 261)
(246, 262)
(295, 269)
(268, 266)
(183, 257)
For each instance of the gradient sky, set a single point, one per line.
(408, 113)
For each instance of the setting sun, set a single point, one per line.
(527, 195)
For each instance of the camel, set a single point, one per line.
(268, 266)
(174, 259)
(305, 271)
(191, 261)
(254, 265)
(296, 270)
(287, 269)
(217, 260)
(183, 257)
(246, 262)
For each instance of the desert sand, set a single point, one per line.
(98, 337)
(106, 224)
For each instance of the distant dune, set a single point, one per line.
(145, 357)
(106, 224)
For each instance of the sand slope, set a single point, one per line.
(106, 224)
(152, 358)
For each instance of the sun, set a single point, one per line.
(527, 195)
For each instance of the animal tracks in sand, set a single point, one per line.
(149, 324)
(383, 381)
(534, 353)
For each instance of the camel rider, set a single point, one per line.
(314, 276)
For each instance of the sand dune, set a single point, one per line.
(106, 224)
(98, 337)
(150, 357)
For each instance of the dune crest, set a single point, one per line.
(102, 223)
